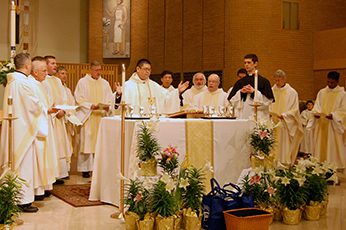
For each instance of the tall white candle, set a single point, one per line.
(123, 78)
(13, 24)
(256, 84)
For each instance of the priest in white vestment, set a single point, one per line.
(72, 133)
(26, 129)
(330, 122)
(243, 94)
(166, 80)
(140, 91)
(94, 95)
(199, 85)
(307, 144)
(214, 96)
(56, 90)
(285, 114)
(45, 147)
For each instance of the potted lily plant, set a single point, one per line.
(192, 190)
(292, 194)
(137, 204)
(5, 68)
(262, 141)
(10, 194)
(147, 149)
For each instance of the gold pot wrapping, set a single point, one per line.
(177, 222)
(146, 224)
(277, 214)
(6, 226)
(291, 216)
(262, 161)
(312, 212)
(324, 207)
(192, 222)
(148, 168)
(131, 219)
(164, 223)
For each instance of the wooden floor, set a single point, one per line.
(55, 214)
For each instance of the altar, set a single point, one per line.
(222, 143)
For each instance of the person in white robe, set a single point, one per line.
(288, 130)
(26, 129)
(166, 80)
(243, 95)
(45, 147)
(240, 74)
(199, 85)
(307, 144)
(140, 91)
(72, 130)
(213, 97)
(95, 97)
(329, 122)
(55, 88)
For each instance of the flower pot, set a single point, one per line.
(277, 214)
(291, 217)
(177, 222)
(146, 224)
(148, 168)
(192, 222)
(164, 223)
(131, 219)
(312, 212)
(6, 226)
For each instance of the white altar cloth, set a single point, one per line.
(230, 151)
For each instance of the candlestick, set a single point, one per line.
(256, 84)
(10, 103)
(123, 78)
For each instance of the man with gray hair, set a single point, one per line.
(198, 87)
(285, 114)
(214, 96)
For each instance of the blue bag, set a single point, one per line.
(218, 200)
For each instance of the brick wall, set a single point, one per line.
(200, 35)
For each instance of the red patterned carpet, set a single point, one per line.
(75, 195)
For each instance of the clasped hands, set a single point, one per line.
(59, 112)
(96, 107)
(329, 116)
(247, 89)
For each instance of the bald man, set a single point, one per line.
(213, 96)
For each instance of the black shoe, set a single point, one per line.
(39, 197)
(47, 193)
(28, 208)
(86, 174)
(59, 182)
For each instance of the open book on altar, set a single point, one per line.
(66, 107)
(186, 114)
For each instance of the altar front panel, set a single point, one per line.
(230, 150)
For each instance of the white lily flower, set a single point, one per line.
(170, 186)
(285, 181)
(184, 183)
(165, 178)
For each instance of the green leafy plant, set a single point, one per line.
(262, 138)
(137, 198)
(169, 160)
(192, 188)
(163, 199)
(10, 194)
(5, 68)
(291, 188)
(147, 145)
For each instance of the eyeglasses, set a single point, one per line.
(146, 69)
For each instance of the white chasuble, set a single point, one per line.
(189, 95)
(329, 134)
(215, 99)
(26, 129)
(145, 93)
(289, 130)
(90, 91)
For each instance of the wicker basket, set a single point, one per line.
(247, 218)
